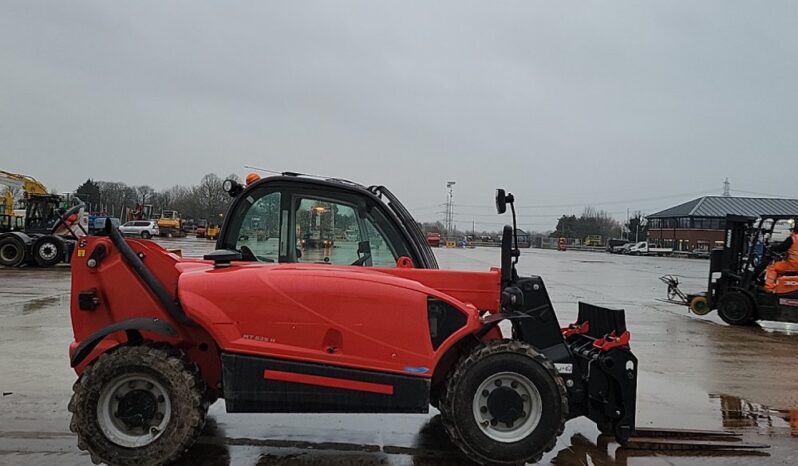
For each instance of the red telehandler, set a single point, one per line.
(370, 325)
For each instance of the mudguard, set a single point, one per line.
(131, 325)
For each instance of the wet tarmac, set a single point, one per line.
(695, 372)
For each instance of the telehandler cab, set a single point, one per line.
(367, 324)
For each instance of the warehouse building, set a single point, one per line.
(700, 223)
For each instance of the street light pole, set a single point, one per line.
(449, 208)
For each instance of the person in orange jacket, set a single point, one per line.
(789, 264)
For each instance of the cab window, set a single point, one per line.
(338, 232)
(259, 232)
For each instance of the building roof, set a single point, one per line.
(720, 206)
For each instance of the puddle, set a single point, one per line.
(29, 307)
(741, 414)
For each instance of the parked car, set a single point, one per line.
(97, 223)
(141, 228)
(621, 248)
(614, 243)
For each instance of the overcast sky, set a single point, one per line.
(615, 104)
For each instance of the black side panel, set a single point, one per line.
(444, 320)
(247, 390)
(539, 325)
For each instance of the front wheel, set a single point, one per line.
(138, 406)
(736, 308)
(504, 403)
(145, 235)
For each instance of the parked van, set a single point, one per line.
(643, 248)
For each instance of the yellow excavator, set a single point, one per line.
(46, 231)
(30, 187)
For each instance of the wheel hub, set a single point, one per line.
(137, 408)
(133, 410)
(505, 405)
(47, 251)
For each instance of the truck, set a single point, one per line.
(593, 240)
(45, 230)
(434, 239)
(644, 248)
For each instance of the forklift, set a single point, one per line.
(737, 275)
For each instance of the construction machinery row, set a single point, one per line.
(38, 227)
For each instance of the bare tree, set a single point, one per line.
(144, 194)
(211, 197)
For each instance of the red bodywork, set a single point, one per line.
(375, 318)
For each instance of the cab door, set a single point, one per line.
(342, 231)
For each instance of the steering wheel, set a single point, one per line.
(361, 261)
(776, 256)
(62, 219)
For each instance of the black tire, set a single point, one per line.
(460, 398)
(12, 252)
(185, 393)
(737, 308)
(48, 251)
(145, 235)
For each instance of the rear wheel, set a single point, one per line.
(138, 406)
(736, 308)
(504, 404)
(12, 252)
(48, 251)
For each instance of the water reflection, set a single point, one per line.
(431, 447)
(738, 413)
(603, 452)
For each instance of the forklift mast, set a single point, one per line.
(731, 262)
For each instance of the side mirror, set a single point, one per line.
(501, 201)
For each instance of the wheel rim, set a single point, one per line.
(133, 410)
(9, 253)
(48, 251)
(507, 407)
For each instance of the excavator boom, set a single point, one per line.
(29, 184)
